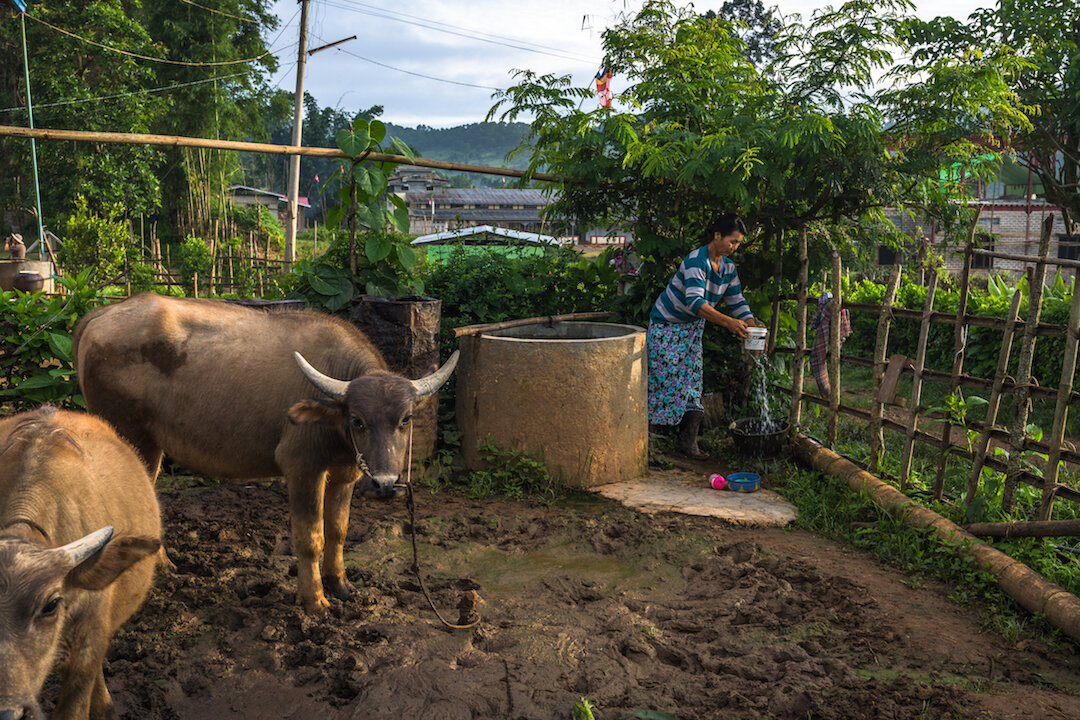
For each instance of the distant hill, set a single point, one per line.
(475, 144)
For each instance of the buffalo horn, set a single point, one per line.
(330, 386)
(83, 548)
(431, 383)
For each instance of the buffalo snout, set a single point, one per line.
(383, 486)
(16, 711)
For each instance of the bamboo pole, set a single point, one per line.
(1036, 528)
(266, 148)
(916, 384)
(834, 351)
(1043, 329)
(1018, 430)
(960, 330)
(1017, 580)
(543, 319)
(994, 402)
(1061, 409)
(881, 350)
(799, 362)
(778, 270)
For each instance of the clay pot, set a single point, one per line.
(28, 282)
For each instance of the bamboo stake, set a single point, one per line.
(800, 336)
(1037, 528)
(778, 269)
(1018, 430)
(916, 384)
(834, 352)
(960, 330)
(1061, 409)
(881, 349)
(994, 402)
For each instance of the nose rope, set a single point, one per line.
(411, 504)
(360, 462)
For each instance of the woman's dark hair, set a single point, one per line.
(725, 225)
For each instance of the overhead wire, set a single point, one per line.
(167, 61)
(221, 12)
(163, 88)
(127, 94)
(409, 72)
(449, 29)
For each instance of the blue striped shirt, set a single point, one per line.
(695, 284)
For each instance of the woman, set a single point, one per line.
(677, 323)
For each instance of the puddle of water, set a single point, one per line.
(513, 571)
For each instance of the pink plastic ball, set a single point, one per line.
(717, 481)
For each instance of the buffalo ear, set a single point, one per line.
(322, 412)
(100, 570)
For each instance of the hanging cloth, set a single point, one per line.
(820, 348)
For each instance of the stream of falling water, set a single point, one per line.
(759, 389)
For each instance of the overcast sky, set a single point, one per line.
(437, 63)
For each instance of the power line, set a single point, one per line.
(147, 57)
(127, 94)
(221, 12)
(449, 29)
(410, 72)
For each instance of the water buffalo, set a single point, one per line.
(67, 579)
(230, 391)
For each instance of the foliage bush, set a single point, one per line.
(36, 361)
(488, 287)
(94, 243)
(983, 344)
(388, 267)
(259, 220)
(194, 259)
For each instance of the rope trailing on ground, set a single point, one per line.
(1017, 580)
(468, 617)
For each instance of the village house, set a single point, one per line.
(435, 208)
(245, 196)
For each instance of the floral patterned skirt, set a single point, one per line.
(674, 370)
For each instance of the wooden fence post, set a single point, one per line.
(774, 321)
(916, 383)
(1022, 395)
(1061, 410)
(800, 336)
(979, 458)
(834, 350)
(881, 348)
(960, 330)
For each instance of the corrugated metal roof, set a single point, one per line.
(483, 230)
(482, 196)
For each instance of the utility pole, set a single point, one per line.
(294, 160)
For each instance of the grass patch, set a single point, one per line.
(828, 506)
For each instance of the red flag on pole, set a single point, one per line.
(603, 87)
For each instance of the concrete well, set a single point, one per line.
(573, 394)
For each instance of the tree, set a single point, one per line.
(758, 27)
(215, 95)
(806, 140)
(76, 83)
(1046, 37)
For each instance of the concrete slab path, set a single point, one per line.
(688, 492)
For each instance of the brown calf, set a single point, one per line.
(66, 582)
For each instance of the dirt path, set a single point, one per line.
(668, 613)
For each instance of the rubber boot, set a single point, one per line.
(686, 445)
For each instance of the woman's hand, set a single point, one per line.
(736, 326)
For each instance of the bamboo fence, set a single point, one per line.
(1022, 387)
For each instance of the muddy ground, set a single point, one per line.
(674, 614)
